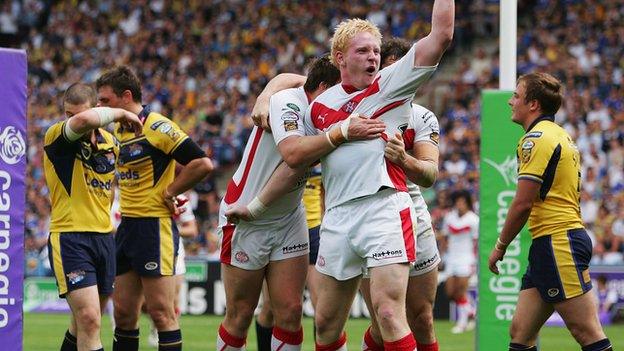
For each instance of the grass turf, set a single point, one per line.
(43, 332)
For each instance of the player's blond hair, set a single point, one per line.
(346, 30)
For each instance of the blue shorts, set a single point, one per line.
(315, 239)
(82, 259)
(559, 265)
(149, 246)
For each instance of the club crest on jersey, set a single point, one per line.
(135, 150)
(290, 126)
(435, 137)
(527, 147)
(349, 106)
(75, 277)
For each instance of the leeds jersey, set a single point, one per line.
(80, 178)
(312, 197)
(146, 165)
(422, 127)
(546, 154)
(261, 156)
(358, 168)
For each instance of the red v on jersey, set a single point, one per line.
(234, 190)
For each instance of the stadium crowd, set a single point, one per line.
(203, 63)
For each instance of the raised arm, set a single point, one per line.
(282, 81)
(430, 49)
(87, 120)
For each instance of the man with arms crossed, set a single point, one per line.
(420, 137)
(147, 238)
(79, 166)
(274, 245)
(548, 196)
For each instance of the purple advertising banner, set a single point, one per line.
(13, 73)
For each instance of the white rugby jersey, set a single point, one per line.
(423, 126)
(261, 156)
(358, 168)
(461, 232)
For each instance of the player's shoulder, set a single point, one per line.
(293, 98)
(543, 133)
(421, 111)
(54, 131)
(333, 93)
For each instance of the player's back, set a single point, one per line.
(547, 154)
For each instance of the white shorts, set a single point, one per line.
(371, 231)
(180, 268)
(251, 245)
(460, 265)
(427, 254)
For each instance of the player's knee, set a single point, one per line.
(239, 314)
(88, 319)
(288, 315)
(422, 322)
(125, 316)
(386, 313)
(325, 324)
(582, 334)
(518, 334)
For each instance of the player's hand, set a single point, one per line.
(175, 204)
(130, 121)
(237, 212)
(395, 149)
(364, 128)
(495, 256)
(260, 113)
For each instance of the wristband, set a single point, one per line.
(344, 127)
(105, 114)
(329, 140)
(500, 246)
(256, 208)
(70, 134)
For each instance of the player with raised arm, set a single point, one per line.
(147, 238)
(79, 166)
(274, 245)
(415, 149)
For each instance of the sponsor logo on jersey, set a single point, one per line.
(150, 266)
(294, 248)
(427, 263)
(241, 256)
(128, 175)
(156, 124)
(383, 255)
(75, 277)
(98, 184)
(533, 135)
(293, 106)
(290, 116)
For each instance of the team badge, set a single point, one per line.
(527, 147)
(241, 257)
(290, 126)
(75, 277)
(349, 106)
(135, 150)
(321, 261)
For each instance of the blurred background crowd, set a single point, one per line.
(203, 63)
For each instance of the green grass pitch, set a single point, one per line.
(44, 332)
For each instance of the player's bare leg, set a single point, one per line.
(264, 321)
(85, 307)
(388, 286)
(421, 293)
(531, 313)
(286, 281)
(456, 290)
(372, 337)
(332, 307)
(581, 317)
(159, 301)
(243, 289)
(127, 301)
(312, 283)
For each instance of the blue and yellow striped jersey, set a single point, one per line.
(80, 179)
(146, 165)
(547, 154)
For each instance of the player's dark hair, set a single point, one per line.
(320, 71)
(465, 194)
(544, 88)
(80, 93)
(120, 79)
(393, 48)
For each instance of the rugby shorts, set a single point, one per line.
(252, 245)
(370, 231)
(147, 245)
(82, 259)
(559, 265)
